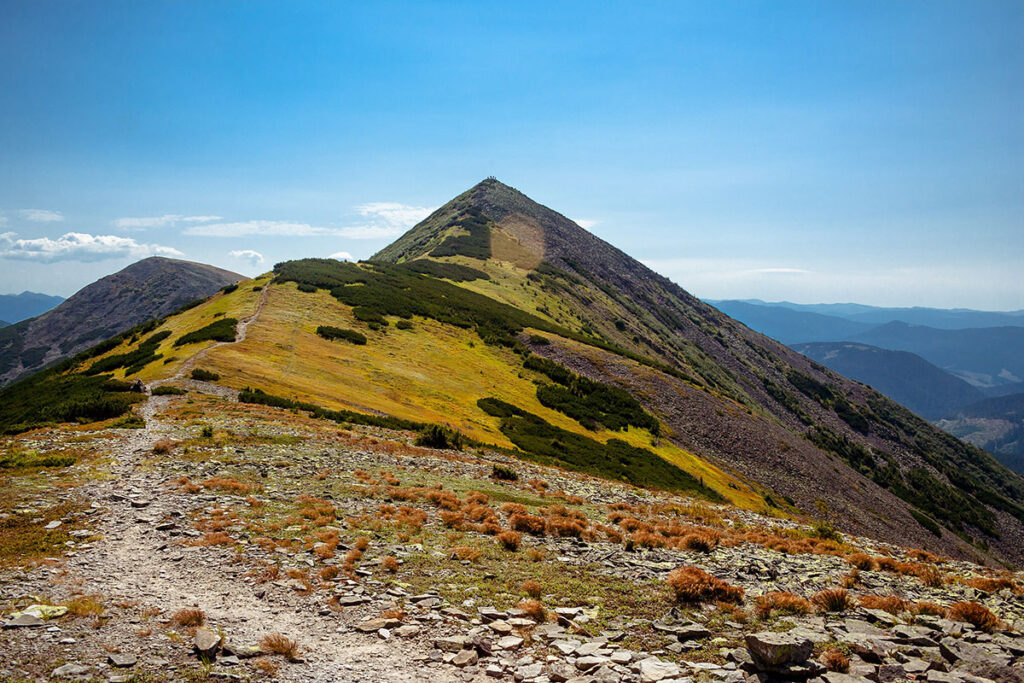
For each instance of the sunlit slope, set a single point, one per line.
(433, 373)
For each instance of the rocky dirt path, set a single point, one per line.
(142, 557)
(136, 561)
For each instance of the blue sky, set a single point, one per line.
(809, 151)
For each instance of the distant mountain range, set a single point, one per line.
(148, 289)
(902, 376)
(17, 307)
(986, 357)
(967, 379)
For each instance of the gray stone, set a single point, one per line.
(122, 661)
(653, 669)
(771, 651)
(589, 662)
(451, 643)
(407, 631)
(560, 671)
(530, 670)
(24, 621)
(509, 643)
(465, 658)
(206, 642)
(70, 671)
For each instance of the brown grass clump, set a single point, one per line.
(329, 573)
(923, 556)
(362, 543)
(189, 617)
(989, 585)
(834, 660)
(186, 485)
(510, 540)
(887, 603)
(269, 667)
(862, 561)
(212, 538)
(780, 601)
(526, 523)
(532, 588)
(452, 520)
(886, 564)
(514, 509)
(389, 564)
(533, 609)
(228, 484)
(164, 446)
(700, 542)
(411, 517)
(977, 615)
(85, 606)
(930, 576)
(535, 554)
(931, 608)
(851, 578)
(281, 645)
(693, 584)
(465, 553)
(832, 600)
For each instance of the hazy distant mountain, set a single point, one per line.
(791, 326)
(17, 307)
(902, 376)
(995, 424)
(147, 289)
(4, 323)
(941, 318)
(984, 357)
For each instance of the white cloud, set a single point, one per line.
(165, 221)
(341, 256)
(41, 215)
(585, 223)
(254, 257)
(77, 246)
(266, 228)
(384, 220)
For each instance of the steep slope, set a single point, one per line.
(985, 357)
(17, 307)
(503, 320)
(791, 326)
(4, 323)
(148, 289)
(904, 377)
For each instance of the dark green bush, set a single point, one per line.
(503, 473)
(204, 375)
(49, 397)
(222, 330)
(436, 436)
(449, 271)
(616, 459)
(227, 289)
(539, 340)
(404, 324)
(257, 396)
(368, 315)
(144, 354)
(328, 332)
(165, 390)
(475, 243)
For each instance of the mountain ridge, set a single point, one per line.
(502, 320)
(146, 289)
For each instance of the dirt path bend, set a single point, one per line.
(241, 333)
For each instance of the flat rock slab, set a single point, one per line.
(653, 670)
(206, 642)
(772, 651)
(122, 661)
(24, 621)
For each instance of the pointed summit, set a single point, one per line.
(492, 220)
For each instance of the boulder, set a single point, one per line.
(774, 651)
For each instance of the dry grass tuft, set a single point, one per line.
(834, 660)
(979, 616)
(85, 606)
(700, 542)
(832, 600)
(389, 564)
(693, 584)
(281, 645)
(212, 538)
(465, 553)
(989, 585)
(862, 561)
(510, 540)
(532, 588)
(164, 446)
(229, 485)
(534, 610)
(783, 602)
(189, 617)
(931, 608)
(887, 603)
